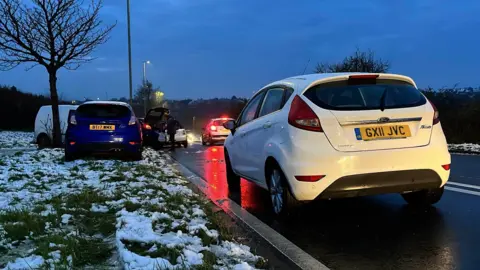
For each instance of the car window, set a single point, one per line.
(272, 102)
(219, 122)
(103, 111)
(342, 96)
(288, 94)
(251, 110)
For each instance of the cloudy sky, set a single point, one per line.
(220, 48)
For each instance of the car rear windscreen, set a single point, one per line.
(219, 122)
(386, 94)
(103, 111)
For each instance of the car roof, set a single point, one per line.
(61, 105)
(301, 82)
(159, 109)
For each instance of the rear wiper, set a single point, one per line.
(382, 100)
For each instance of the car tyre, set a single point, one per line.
(424, 197)
(43, 141)
(233, 179)
(283, 201)
(185, 144)
(136, 156)
(69, 156)
(156, 145)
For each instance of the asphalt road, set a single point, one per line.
(377, 232)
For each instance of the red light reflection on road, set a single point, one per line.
(215, 174)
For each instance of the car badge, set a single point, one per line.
(383, 119)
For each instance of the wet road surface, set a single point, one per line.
(377, 232)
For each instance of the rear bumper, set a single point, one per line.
(349, 174)
(150, 138)
(218, 138)
(103, 147)
(381, 183)
(165, 138)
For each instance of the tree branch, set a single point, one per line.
(52, 33)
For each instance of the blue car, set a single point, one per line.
(103, 127)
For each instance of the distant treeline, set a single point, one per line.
(18, 109)
(459, 111)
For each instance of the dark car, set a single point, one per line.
(153, 124)
(103, 127)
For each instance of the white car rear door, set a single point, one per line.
(263, 128)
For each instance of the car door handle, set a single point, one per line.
(267, 125)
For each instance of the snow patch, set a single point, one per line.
(465, 147)
(31, 262)
(66, 218)
(99, 208)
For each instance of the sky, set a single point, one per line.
(221, 48)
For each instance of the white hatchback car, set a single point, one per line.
(339, 135)
(214, 131)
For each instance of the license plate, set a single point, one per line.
(382, 132)
(102, 127)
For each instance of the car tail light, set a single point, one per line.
(302, 116)
(132, 121)
(436, 114)
(363, 76)
(446, 167)
(133, 143)
(73, 120)
(72, 143)
(309, 178)
(213, 128)
(147, 126)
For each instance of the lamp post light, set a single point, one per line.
(145, 71)
(145, 86)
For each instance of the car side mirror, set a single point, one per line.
(230, 125)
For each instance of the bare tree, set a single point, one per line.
(51, 33)
(358, 62)
(148, 95)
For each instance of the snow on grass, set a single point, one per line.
(465, 147)
(31, 262)
(108, 214)
(16, 139)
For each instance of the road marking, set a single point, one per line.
(468, 177)
(462, 185)
(278, 241)
(461, 190)
(465, 154)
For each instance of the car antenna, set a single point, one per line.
(305, 69)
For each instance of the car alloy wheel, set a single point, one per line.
(276, 191)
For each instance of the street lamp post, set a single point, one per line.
(129, 53)
(145, 71)
(145, 97)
